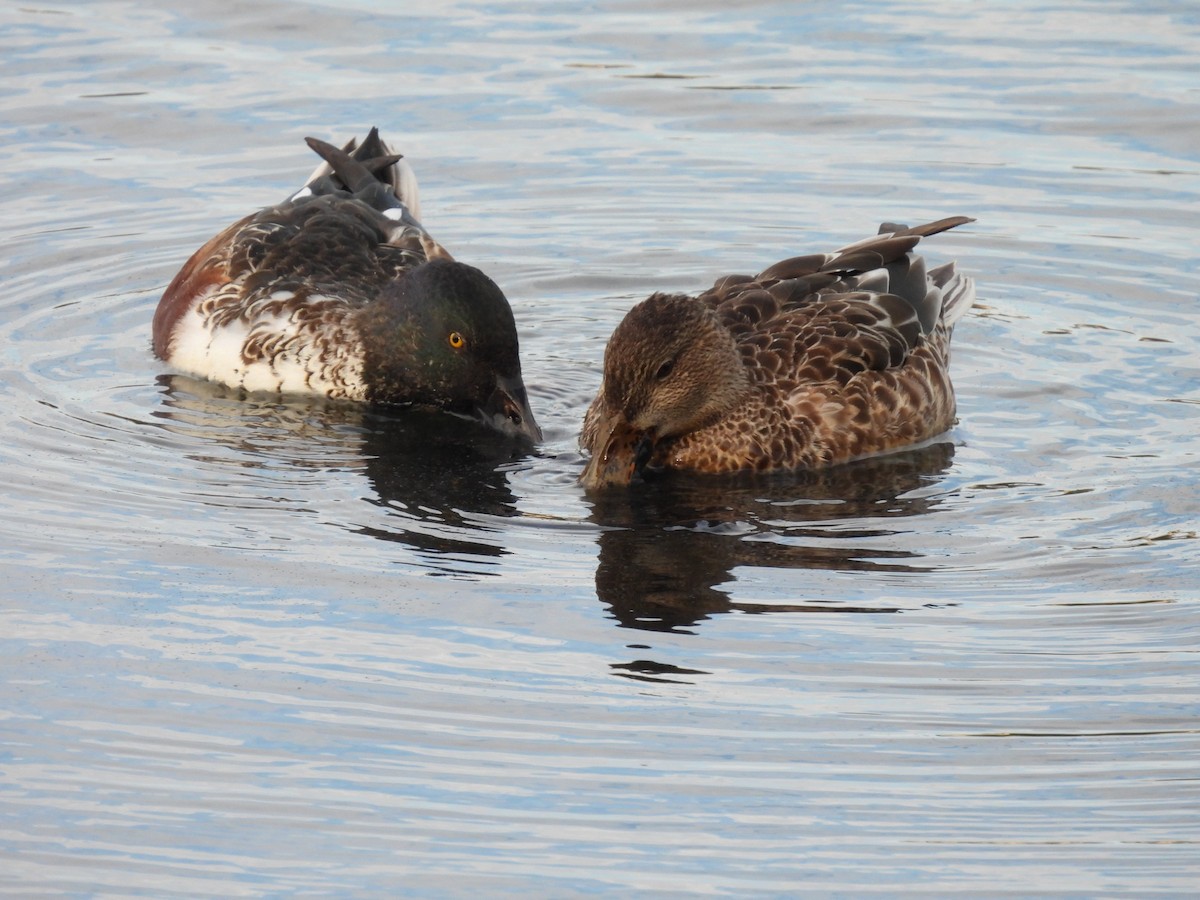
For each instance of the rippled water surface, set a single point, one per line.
(260, 647)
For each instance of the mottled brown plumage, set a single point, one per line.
(817, 360)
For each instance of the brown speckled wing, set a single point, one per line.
(840, 369)
(830, 339)
(835, 378)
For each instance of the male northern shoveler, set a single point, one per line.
(817, 360)
(340, 291)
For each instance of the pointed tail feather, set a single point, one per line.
(396, 172)
(929, 228)
(355, 174)
(373, 155)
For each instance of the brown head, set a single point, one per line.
(669, 369)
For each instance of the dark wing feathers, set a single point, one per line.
(878, 251)
(932, 228)
(906, 277)
(829, 316)
(795, 267)
(329, 244)
(347, 236)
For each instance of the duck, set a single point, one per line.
(817, 360)
(340, 291)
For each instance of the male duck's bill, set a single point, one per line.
(340, 291)
(818, 360)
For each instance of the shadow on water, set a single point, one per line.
(667, 546)
(438, 477)
(433, 468)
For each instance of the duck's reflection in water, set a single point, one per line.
(439, 477)
(444, 473)
(669, 543)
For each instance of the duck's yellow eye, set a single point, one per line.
(456, 340)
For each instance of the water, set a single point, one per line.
(253, 647)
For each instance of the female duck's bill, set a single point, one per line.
(340, 291)
(817, 360)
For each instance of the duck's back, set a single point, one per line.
(268, 303)
(847, 354)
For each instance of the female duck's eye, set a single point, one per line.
(456, 340)
(664, 370)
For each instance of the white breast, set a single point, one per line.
(266, 350)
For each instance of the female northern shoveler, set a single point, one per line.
(340, 291)
(818, 360)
